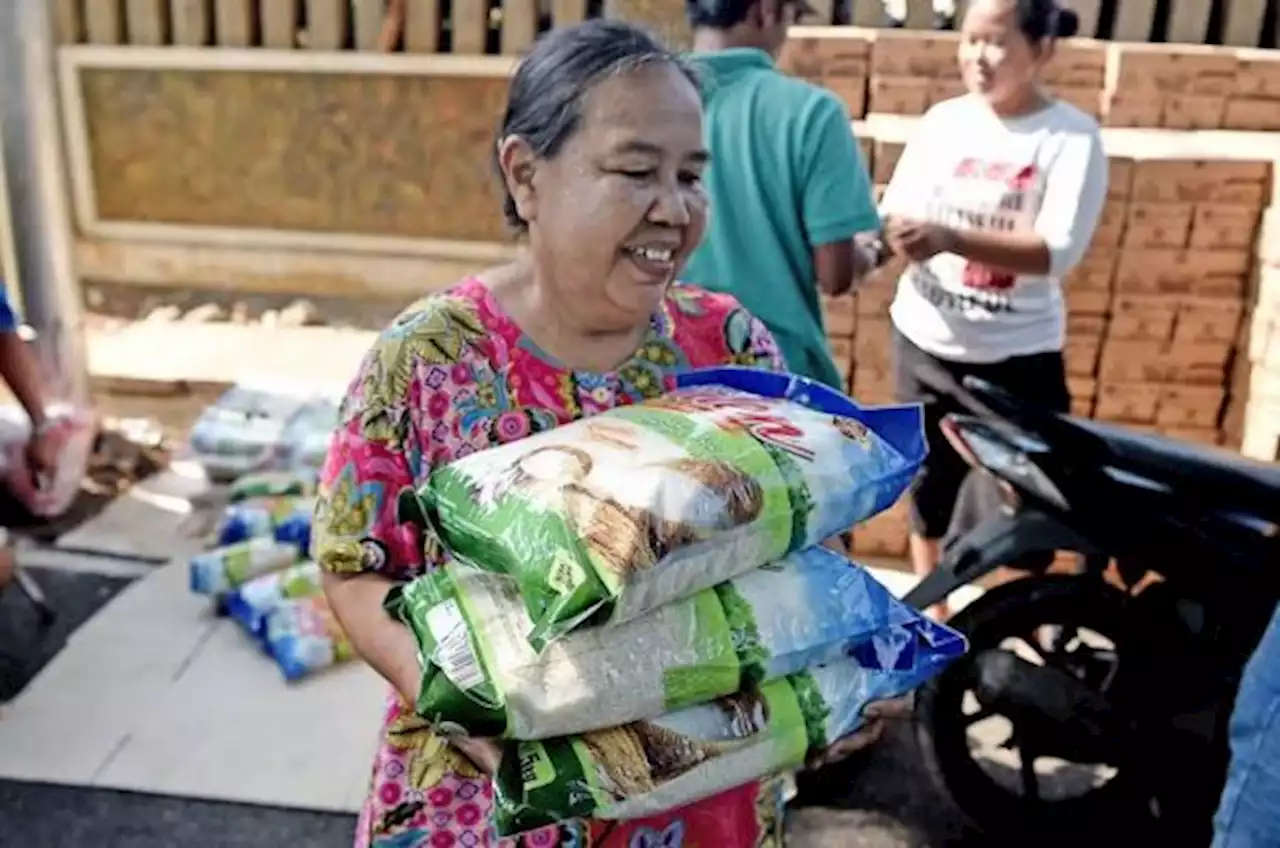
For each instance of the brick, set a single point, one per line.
(1171, 69)
(1142, 317)
(1201, 181)
(1081, 354)
(945, 89)
(1251, 113)
(1201, 364)
(871, 386)
(1129, 402)
(898, 95)
(1087, 98)
(1193, 111)
(1096, 269)
(1077, 62)
(1158, 224)
(1119, 177)
(876, 292)
(887, 154)
(842, 354)
(1258, 74)
(885, 535)
(872, 347)
(1203, 319)
(1223, 225)
(1111, 222)
(840, 316)
(1085, 324)
(1210, 273)
(1132, 109)
(914, 54)
(1190, 406)
(1085, 301)
(852, 91)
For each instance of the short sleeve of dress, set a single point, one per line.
(355, 529)
(750, 342)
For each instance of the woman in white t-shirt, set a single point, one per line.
(995, 198)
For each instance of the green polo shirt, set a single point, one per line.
(786, 176)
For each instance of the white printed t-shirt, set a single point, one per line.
(967, 168)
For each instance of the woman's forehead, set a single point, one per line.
(642, 110)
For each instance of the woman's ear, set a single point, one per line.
(518, 163)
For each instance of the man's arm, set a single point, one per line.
(18, 365)
(836, 203)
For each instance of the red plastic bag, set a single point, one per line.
(73, 432)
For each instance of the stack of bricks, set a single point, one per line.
(1179, 265)
(1192, 87)
(911, 71)
(1253, 414)
(836, 57)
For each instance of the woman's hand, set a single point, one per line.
(485, 754)
(918, 240)
(877, 714)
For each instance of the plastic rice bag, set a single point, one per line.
(74, 431)
(243, 431)
(303, 637)
(306, 438)
(273, 484)
(220, 570)
(283, 519)
(482, 675)
(253, 602)
(607, 518)
(648, 767)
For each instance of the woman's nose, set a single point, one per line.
(670, 207)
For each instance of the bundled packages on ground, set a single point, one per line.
(639, 602)
(257, 573)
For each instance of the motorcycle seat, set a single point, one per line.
(1225, 477)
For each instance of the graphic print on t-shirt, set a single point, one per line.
(993, 196)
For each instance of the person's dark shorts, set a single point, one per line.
(1039, 378)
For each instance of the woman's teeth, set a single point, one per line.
(653, 254)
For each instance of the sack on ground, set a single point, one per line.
(303, 637)
(285, 519)
(253, 602)
(649, 767)
(482, 675)
(273, 484)
(218, 571)
(607, 518)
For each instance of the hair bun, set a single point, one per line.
(1068, 23)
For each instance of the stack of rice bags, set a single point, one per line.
(640, 603)
(257, 573)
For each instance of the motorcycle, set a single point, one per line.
(1119, 673)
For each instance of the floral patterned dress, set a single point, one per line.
(452, 375)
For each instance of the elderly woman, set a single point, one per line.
(600, 153)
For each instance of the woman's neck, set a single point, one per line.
(1025, 103)
(557, 327)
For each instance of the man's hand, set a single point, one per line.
(877, 714)
(918, 240)
(41, 454)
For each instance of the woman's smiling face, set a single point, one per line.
(617, 211)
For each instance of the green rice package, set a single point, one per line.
(608, 518)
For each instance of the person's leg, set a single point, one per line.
(933, 492)
(1249, 813)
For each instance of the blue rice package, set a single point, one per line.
(225, 568)
(304, 637)
(286, 519)
(250, 604)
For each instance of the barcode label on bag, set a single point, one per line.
(454, 653)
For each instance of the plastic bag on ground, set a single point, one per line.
(273, 484)
(285, 519)
(648, 767)
(482, 675)
(607, 518)
(252, 603)
(223, 569)
(303, 637)
(73, 431)
(243, 430)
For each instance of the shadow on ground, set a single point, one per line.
(36, 815)
(881, 798)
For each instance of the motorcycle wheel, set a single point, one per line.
(1011, 611)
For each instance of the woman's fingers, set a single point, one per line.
(484, 753)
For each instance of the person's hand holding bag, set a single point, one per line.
(877, 715)
(918, 240)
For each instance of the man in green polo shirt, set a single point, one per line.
(788, 186)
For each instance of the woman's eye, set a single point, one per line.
(690, 178)
(636, 174)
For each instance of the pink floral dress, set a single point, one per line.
(452, 375)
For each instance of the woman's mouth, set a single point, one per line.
(657, 263)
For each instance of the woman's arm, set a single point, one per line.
(385, 644)
(1075, 190)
